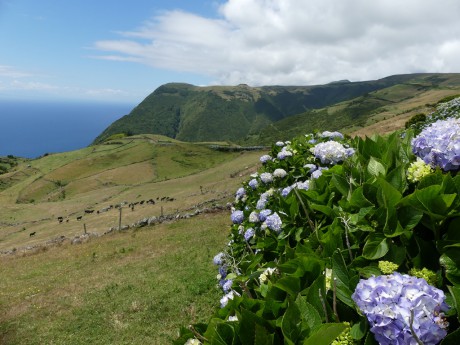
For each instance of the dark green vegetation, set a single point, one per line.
(262, 115)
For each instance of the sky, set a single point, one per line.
(121, 51)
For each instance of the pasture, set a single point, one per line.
(124, 287)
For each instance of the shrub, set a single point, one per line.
(311, 252)
(415, 119)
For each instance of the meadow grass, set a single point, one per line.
(136, 287)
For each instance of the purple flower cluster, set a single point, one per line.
(253, 183)
(439, 144)
(264, 214)
(331, 135)
(331, 152)
(249, 234)
(397, 306)
(265, 158)
(219, 259)
(266, 177)
(273, 222)
(283, 154)
(237, 217)
(240, 193)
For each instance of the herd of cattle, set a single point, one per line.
(130, 205)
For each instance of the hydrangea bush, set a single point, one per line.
(342, 241)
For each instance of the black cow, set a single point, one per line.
(32, 234)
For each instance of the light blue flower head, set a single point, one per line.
(396, 305)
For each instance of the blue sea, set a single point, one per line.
(32, 128)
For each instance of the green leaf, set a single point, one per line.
(313, 292)
(290, 325)
(409, 217)
(449, 261)
(455, 292)
(387, 195)
(325, 334)
(262, 336)
(358, 199)
(340, 273)
(289, 284)
(219, 332)
(397, 178)
(359, 330)
(341, 184)
(376, 168)
(375, 247)
(309, 314)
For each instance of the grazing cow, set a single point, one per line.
(89, 211)
(32, 234)
(79, 217)
(60, 219)
(142, 202)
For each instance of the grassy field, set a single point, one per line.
(136, 287)
(132, 287)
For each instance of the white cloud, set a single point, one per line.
(11, 72)
(32, 85)
(263, 42)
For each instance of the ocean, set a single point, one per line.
(32, 128)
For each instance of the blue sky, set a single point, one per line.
(122, 50)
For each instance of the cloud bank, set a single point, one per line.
(266, 42)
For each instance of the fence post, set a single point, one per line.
(84, 227)
(119, 220)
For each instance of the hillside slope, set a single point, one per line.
(90, 183)
(253, 114)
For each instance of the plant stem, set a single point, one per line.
(323, 304)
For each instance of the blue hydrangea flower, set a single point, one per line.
(249, 234)
(331, 152)
(439, 144)
(265, 158)
(240, 193)
(285, 191)
(261, 203)
(266, 177)
(237, 217)
(223, 271)
(318, 173)
(227, 297)
(253, 183)
(302, 185)
(283, 154)
(227, 285)
(396, 304)
(219, 258)
(263, 214)
(279, 144)
(273, 222)
(310, 167)
(331, 135)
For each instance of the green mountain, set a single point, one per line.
(255, 115)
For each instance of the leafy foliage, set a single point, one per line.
(295, 286)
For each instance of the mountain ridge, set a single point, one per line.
(245, 114)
